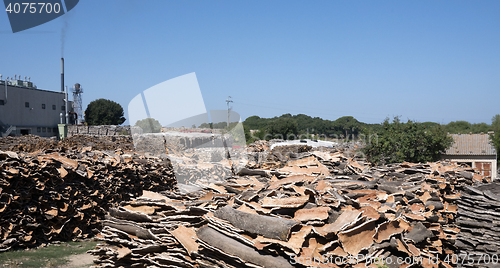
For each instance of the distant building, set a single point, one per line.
(24, 109)
(476, 150)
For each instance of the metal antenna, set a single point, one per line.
(228, 101)
(77, 103)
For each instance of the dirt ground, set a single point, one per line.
(80, 261)
(57, 255)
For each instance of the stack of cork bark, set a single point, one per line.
(479, 222)
(318, 209)
(64, 195)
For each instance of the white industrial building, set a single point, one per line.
(25, 109)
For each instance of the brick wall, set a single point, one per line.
(484, 168)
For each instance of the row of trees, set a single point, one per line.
(107, 112)
(463, 127)
(422, 142)
(290, 126)
(342, 127)
(396, 141)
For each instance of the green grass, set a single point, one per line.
(54, 255)
(382, 266)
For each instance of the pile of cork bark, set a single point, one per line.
(315, 208)
(479, 223)
(32, 143)
(63, 195)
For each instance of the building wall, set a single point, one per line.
(33, 119)
(484, 164)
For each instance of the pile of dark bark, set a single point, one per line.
(64, 195)
(479, 223)
(319, 209)
(32, 143)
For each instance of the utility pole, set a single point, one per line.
(66, 102)
(228, 101)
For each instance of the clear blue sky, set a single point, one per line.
(423, 60)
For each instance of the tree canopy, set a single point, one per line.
(412, 142)
(346, 127)
(282, 128)
(464, 127)
(104, 112)
(149, 125)
(418, 145)
(495, 124)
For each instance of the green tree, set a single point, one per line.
(459, 127)
(248, 134)
(347, 126)
(255, 122)
(104, 112)
(206, 125)
(480, 128)
(342, 127)
(413, 142)
(495, 122)
(220, 125)
(282, 128)
(430, 124)
(253, 135)
(149, 125)
(495, 137)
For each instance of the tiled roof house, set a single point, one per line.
(477, 150)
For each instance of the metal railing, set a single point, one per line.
(8, 131)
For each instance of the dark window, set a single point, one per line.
(43, 105)
(27, 104)
(2, 102)
(55, 130)
(44, 129)
(38, 129)
(49, 129)
(53, 107)
(466, 164)
(63, 108)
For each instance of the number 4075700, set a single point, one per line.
(33, 8)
